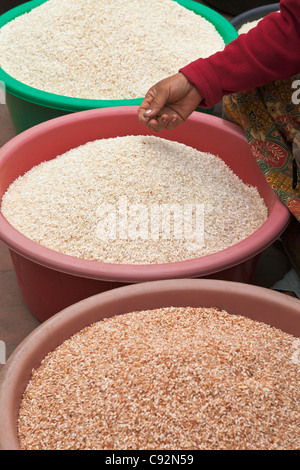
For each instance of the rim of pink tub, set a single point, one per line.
(277, 221)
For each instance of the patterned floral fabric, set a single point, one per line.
(271, 121)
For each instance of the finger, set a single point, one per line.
(164, 122)
(155, 125)
(161, 122)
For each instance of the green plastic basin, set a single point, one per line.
(29, 106)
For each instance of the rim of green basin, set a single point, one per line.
(65, 103)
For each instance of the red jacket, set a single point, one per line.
(270, 51)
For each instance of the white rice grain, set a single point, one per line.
(246, 27)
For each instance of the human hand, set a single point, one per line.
(169, 103)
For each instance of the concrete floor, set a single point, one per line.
(16, 321)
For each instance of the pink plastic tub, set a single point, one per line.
(50, 281)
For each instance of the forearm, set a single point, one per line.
(270, 51)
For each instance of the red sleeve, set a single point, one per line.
(268, 52)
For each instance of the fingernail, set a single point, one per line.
(149, 111)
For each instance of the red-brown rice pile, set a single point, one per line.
(99, 49)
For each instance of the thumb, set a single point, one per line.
(157, 99)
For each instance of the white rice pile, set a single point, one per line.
(57, 204)
(249, 25)
(99, 49)
(172, 378)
